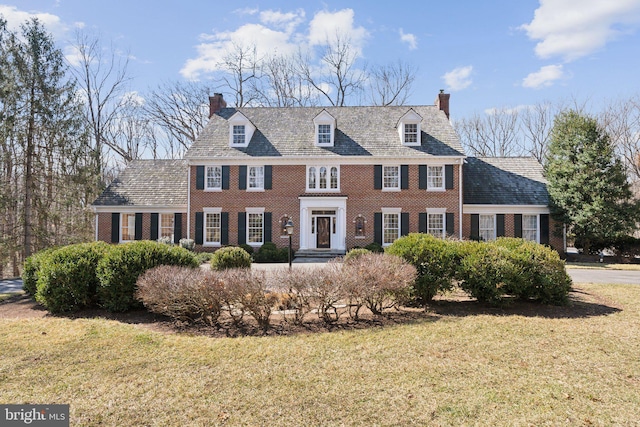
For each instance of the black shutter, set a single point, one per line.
(422, 179)
(115, 227)
(154, 227)
(450, 225)
(404, 177)
(138, 227)
(199, 228)
(225, 177)
(377, 227)
(422, 222)
(177, 227)
(267, 226)
(404, 223)
(517, 225)
(268, 177)
(377, 177)
(544, 229)
(199, 177)
(500, 225)
(242, 228)
(242, 178)
(475, 227)
(448, 177)
(224, 228)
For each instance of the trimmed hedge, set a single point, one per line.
(30, 271)
(67, 276)
(269, 252)
(230, 257)
(119, 269)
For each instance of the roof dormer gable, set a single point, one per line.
(325, 129)
(409, 128)
(240, 130)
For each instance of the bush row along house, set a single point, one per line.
(345, 176)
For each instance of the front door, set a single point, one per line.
(323, 232)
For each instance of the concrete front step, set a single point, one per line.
(310, 253)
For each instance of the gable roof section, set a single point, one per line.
(161, 183)
(504, 181)
(360, 131)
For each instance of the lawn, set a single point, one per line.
(603, 266)
(458, 365)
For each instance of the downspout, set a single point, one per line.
(460, 199)
(189, 202)
(96, 227)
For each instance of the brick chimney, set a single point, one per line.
(442, 102)
(216, 103)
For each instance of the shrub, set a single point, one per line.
(247, 248)
(374, 247)
(325, 289)
(295, 285)
(355, 253)
(256, 299)
(120, 268)
(67, 277)
(434, 259)
(377, 281)
(186, 294)
(203, 257)
(270, 253)
(165, 240)
(230, 257)
(234, 281)
(188, 244)
(31, 269)
(483, 270)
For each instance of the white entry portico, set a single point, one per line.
(323, 222)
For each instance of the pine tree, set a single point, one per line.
(587, 183)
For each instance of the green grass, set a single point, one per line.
(457, 369)
(4, 296)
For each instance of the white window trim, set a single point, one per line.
(317, 175)
(206, 178)
(254, 211)
(410, 118)
(396, 211)
(432, 188)
(438, 211)
(122, 214)
(173, 227)
(255, 189)
(495, 226)
(239, 119)
(204, 226)
(324, 118)
(399, 178)
(537, 240)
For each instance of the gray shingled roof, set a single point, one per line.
(148, 183)
(504, 181)
(360, 131)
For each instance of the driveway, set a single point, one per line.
(8, 286)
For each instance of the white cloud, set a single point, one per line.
(325, 27)
(458, 78)
(16, 17)
(544, 77)
(410, 39)
(286, 21)
(571, 29)
(506, 110)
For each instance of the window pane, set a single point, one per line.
(254, 228)
(435, 224)
(324, 134)
(212, 228)
(334, 178)
(166, 225)
(312, 177)
(410, 133)
(530, 227)
(487, 227)
(238, 134)
(390, 177)
(390, 227)
(256, 177)
(128, 226)
(214, 177)
(323, 177)
(435, 175)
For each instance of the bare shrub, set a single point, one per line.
(181, 293)
(325, 289)
(234, 280)
(294, 286)
(377, 281)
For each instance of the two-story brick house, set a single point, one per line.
(345, 176)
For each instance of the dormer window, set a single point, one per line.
(325, 125)
(240, 130)
(409, 128)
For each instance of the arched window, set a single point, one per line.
(312, 177)
(334, 178)
(359, 224)
(323, 177)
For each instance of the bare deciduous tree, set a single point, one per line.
(492, 135)
(621, 120)
(240, 70)
(391, 84)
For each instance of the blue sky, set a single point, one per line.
(487, 54)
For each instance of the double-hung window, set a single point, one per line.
(214, 178)
(255, 228)
(390, 227)
(390, 177)
(239, 135)
(212, 227)
(128, 227)
(435, 177)
(410, 133)
(323, 178)
(324, 134)
(487, 227)
(435, 224)
(530, 227)
(255, 178)
(166, 225)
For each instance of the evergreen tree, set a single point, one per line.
(587, 183)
